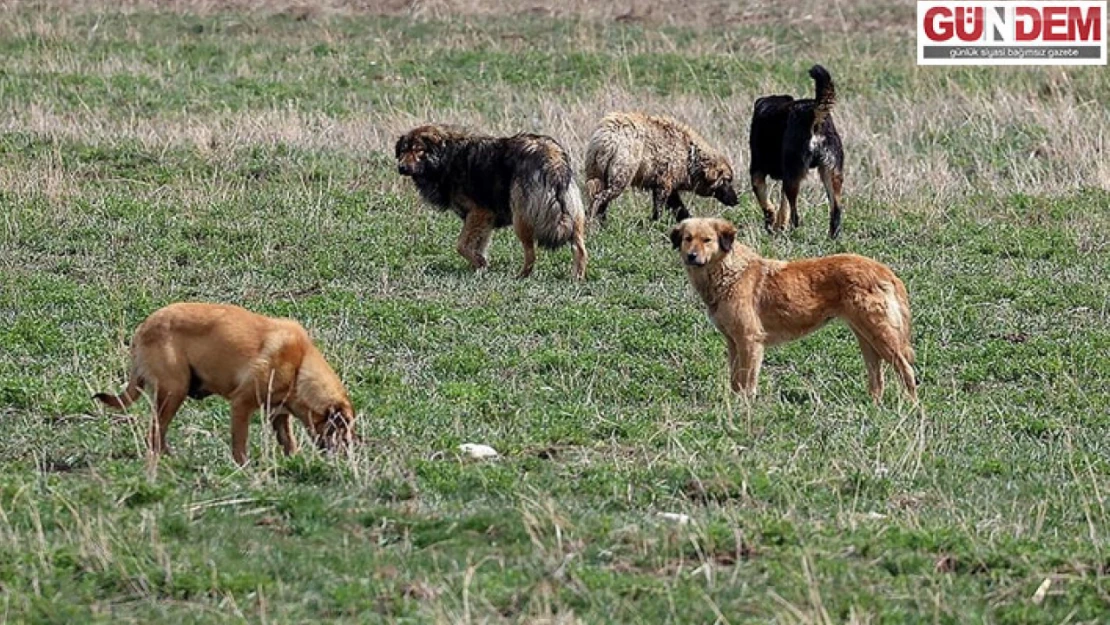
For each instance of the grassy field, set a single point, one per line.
(242, 152)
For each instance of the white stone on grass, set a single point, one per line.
(676, 517)
(478, 451)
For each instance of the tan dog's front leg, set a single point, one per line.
(241, 412)
(283, 430)
(745, 360)
(752, 358)
(736, 381)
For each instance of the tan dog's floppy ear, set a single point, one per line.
(726, 235)
(676, 236)
(336, 417)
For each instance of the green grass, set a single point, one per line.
(152, 157)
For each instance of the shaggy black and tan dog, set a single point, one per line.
(788, 138)
(659, 154)
(492, 182)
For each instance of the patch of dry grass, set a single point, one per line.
(846, 16)
(930, 137)
(933, 146)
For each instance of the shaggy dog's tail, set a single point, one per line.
(826, 93)
(544, 192)
(127, 397)
(555, 210)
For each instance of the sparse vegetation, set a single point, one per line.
(242, 152)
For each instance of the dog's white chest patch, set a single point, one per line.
(816, 141)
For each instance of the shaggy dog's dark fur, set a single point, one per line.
(492, 182)
(788, 138)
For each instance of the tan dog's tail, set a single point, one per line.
(124, 399)
(898, 310)
(904, 306)
(826, 94)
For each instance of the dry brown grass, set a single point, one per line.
(924, 144)
(939, 150)
(843, 15)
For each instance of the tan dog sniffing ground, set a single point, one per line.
(197, 350)
(756, 302)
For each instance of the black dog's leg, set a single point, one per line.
(678, 209)
(658, 199)
(833, 180)
(790, 189)
(759, 187)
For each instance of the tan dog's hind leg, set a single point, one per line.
(607, 192)
(241, 411)
(887, 342)
(168, 400)
(618, 176)
(475, 237)
(874, 364)
(283, 430)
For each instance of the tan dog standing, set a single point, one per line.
(756, 302)
(197, 350)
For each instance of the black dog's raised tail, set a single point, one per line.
(826, 93)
